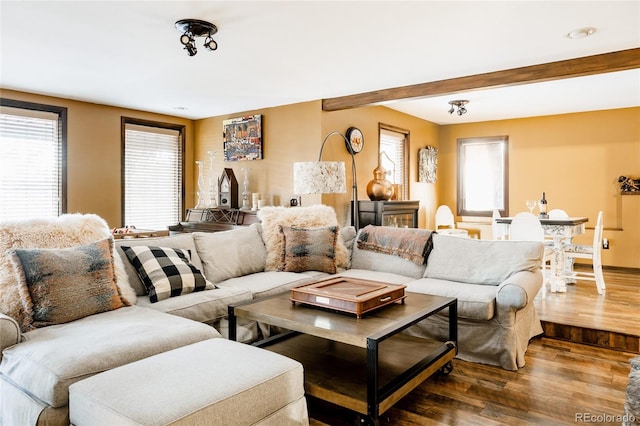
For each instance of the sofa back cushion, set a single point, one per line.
(486, 262)
(183, 241)
(381, 262)
(231, 254)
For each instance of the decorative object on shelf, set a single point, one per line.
(379, 189)
(202, 196)
(228, 189)
(243, 138)
(542, 207)
(326, 177)
(460, 104)
(192, 28)
(628, 184)
(245, 192)
(355, 140)
(427, 164)
(213, 180)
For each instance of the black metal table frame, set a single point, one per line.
(375, 394)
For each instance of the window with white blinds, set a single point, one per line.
(33, 160)
(152, 175)
(392, 144)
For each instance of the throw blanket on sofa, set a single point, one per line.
(408, 243)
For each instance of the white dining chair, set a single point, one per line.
(593, 252)
(445, 222)
(557, 213)
(527, 227)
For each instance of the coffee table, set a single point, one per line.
(363, 364)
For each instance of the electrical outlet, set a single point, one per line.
(295, 201)
(605, 243)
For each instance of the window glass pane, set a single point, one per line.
(482, 176)
(31, 172)
(152, 177)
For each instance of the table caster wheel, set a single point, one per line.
(367, 421)
(446, 369)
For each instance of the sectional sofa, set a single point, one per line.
(495, 283)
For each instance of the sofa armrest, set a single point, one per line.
(9, 332)
(515, 293)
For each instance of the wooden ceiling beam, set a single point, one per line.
(579, 67)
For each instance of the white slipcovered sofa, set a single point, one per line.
(495, 283)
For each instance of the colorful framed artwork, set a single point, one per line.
(427, 164)
(242, 138)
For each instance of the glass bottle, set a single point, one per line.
(542, 206)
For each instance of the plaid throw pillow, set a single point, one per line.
(166, 272)
(312, 249)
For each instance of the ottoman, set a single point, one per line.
(212, 382)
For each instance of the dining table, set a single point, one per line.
(560, 230)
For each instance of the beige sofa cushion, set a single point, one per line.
(230, 254)
(52, 358)
(476, 302)
(214, 382)
(270, 283)
(183, 241)
(205, 306)
(474, 261)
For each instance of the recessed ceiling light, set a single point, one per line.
(180, 108)
(580, 33)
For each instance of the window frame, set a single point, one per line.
(149, 123)
(405, 154)
(460, 210)
(61, 112)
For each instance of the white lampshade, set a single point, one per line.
(319, 177)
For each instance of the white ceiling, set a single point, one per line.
(271, 53)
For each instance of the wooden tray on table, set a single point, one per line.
(346, 294)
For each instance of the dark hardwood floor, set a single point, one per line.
(577, 375)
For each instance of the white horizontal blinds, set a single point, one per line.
(392, 143)
(152, 177)
(31, 159)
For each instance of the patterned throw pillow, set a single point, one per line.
(166, 272)
(309, 249)
(62, 285)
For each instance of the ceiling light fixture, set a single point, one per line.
(192, 28)
(580, 33)
(460, 104)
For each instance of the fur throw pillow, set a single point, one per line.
(300, 217)
(67, 230)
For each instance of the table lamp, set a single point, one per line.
(326, 177)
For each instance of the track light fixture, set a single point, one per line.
(192, 28)
(460, 105)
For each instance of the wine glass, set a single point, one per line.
(531, 204)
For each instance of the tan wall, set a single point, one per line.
(576, 159)
(93, 153)
(290, 133)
